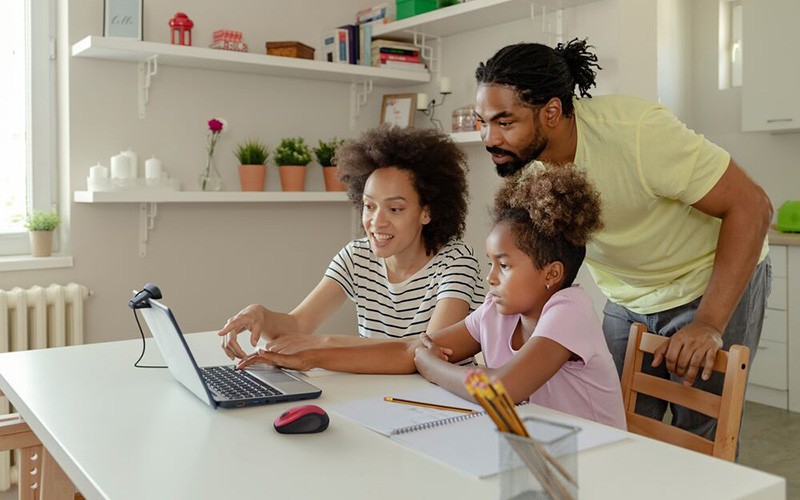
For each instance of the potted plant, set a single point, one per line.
(41, 226)
(252, 155)
(324, 153)
(292, 155)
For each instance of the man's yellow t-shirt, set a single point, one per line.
(656, 252)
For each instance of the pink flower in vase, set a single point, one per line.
(215, 127)
(210, 179)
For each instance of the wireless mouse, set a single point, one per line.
(304, 419)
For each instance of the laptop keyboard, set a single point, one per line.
(236, 384)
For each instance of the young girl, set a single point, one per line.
(410, 273)
(539, 334)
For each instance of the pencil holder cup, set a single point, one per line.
(543, 466)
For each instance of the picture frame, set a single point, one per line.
(398, 109)
(123, 19)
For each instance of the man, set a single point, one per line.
(684, 247)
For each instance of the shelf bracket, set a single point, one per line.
(358, 97)
(147, 70)
(430, 52)
(147, 220)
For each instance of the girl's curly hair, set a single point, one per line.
(437, 166)
(552, 212)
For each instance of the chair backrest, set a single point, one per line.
(727, 408)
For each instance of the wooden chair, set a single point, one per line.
(727, 408)
(40, 477)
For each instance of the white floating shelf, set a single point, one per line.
(148, 202)
(122, 49)
(142, 196)
(468, 16)
(473, 137)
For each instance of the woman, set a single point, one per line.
(410, 273)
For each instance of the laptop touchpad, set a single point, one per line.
(271, 375)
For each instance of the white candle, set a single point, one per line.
(152, 168)
(121, 166)
(134, 162)
(98, 172)
(444, 85)
(422, 101)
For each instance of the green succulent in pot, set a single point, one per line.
(292, 151)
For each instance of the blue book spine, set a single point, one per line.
(366, 55)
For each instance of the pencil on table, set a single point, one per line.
(427, 405)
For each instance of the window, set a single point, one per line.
(730, 44)
(736, 44)
(27, 123)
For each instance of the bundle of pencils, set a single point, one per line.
(494, 398)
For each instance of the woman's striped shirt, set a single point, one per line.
(400, 310)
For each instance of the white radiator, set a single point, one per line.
(36, 318)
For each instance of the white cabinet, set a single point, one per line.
(769, 373)
(771, 67)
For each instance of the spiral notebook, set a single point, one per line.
(467, 442)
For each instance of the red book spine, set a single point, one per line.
(399, 57)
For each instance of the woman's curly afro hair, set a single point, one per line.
(437, 167)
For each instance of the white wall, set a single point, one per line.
(674, 56)
(209, 259)
(212, 259)
(771, 159)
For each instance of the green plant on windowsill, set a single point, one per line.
(251, 152)
(41, 226)
(42, 221)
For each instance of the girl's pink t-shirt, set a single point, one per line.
(587, 388)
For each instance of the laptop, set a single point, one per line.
(221, 386)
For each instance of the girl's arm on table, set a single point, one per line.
(434, 357)
(538, 360)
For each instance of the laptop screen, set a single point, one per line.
(174, 349)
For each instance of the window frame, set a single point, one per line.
(41, 124)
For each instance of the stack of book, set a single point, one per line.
(350, 44)
(228, 40)
(397, 55)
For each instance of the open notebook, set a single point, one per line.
(467, 442)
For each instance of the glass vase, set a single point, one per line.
(209, 179)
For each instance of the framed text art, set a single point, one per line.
(398, 109)
(123, 19)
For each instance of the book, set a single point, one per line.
(353, 44)
(381, 43)
(392, 50)
(377, 13)
(465, 442)
(335, 46)
(365, 42)
(399, 57)
(401, 65)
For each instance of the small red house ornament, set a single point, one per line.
(180, 27)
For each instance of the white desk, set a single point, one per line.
(126, 433)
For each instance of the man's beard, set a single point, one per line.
(518, 162)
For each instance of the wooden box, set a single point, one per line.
(290, 49)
